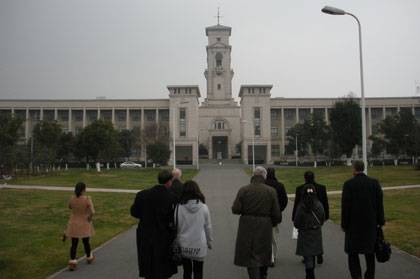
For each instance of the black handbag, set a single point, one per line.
(382, 247)
(175, 248)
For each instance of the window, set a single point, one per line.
(274, 131)
(219, 58)
(135, 114)
(275, 114)
(163, 115)
(120, 115)
(63, 115)
(275, 150)
(218, 39)
(150, 115)
(219, 86)
(219, 125)
(182, 122)
(257, 122)
(77, 115)
(417, 113)
(390, 111)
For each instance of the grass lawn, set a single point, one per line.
(402, 215)
(334, 177)
(114, 178)
(32, 222)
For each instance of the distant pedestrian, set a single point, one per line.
(177, 184)
(321, 192)
(282, 199)
(259, 209)
(80, 224)
(362, 213)
(154, 208)
(309, 218)
(194, 230)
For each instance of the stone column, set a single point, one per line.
(127, 119)
(70, 120)
(41, 114)
(84, 117)
(113, 116)
(283, 136)
(55, 114)
(27, 124)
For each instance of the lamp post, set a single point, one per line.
(253, 146)
(335, 11)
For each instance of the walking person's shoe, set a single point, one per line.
(72, 265)
(90, 259)
(319, 259)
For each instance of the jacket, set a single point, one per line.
(194, 231)
(80, 222)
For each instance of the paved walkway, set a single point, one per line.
(118, 259)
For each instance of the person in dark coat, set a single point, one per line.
(282, 198)
(259, 209)
(362, 213)
(154, 208)
(321, 193)
(177, 185)
(309, 219)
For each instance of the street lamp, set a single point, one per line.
(335, 11)
(253, 146)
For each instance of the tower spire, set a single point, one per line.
(218, 16)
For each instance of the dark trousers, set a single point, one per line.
(73, 248)
(192, 267)
(257, 272)
(356, 270)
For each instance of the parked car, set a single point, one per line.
(130, 165)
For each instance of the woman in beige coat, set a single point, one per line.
(80, 224)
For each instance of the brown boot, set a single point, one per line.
(90, 259)
(72, 265)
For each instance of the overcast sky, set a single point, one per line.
(135, 48)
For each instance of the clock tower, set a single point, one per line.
(218, 73)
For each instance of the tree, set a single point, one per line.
(126, 139)
(46, 136)
(298, 132)
(97, 141)
(315, 134)
(159, 152)
(346, 125)
(66, 147)
(9, 137)
(399, 131)
(154, 134)
(378, 146)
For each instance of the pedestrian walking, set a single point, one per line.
(283, 200)
(154, 208)
(362, 214)
(308, 220)
(177, 184)
(194, 230)
(321, 192)
(259, 209)
(80, 224)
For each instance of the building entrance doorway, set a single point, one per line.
(220, 147)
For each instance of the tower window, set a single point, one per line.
(219, 86)
(219, 58)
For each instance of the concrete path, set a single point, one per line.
(118, 259)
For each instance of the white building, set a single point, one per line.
(226, 128)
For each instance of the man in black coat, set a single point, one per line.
(362, 212)
(321, 192)
(154, 209)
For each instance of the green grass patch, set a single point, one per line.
(334, 177)
(402, 215)
(114, 178)
(32, 222)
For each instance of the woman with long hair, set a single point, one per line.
(309, 219)
(194, 229)
(80, 224)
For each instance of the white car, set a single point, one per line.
(130, 165)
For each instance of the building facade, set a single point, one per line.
(224, 128)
